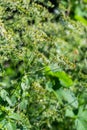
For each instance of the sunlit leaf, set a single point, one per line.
(64, 78)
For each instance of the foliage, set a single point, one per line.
(43, 67)
(76, 9)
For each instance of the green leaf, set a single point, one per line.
(11, 126)
(80, 124)
(2, 123)
(64, 78)
(15, 116)
(9, 101)
(81, 19)
(23, 104)
(25, 83)
(3, 94)
(81, 121)
(82, 113)
(69, 113)
(68, 96)
(49, 86)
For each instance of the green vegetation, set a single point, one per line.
(43, 65)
